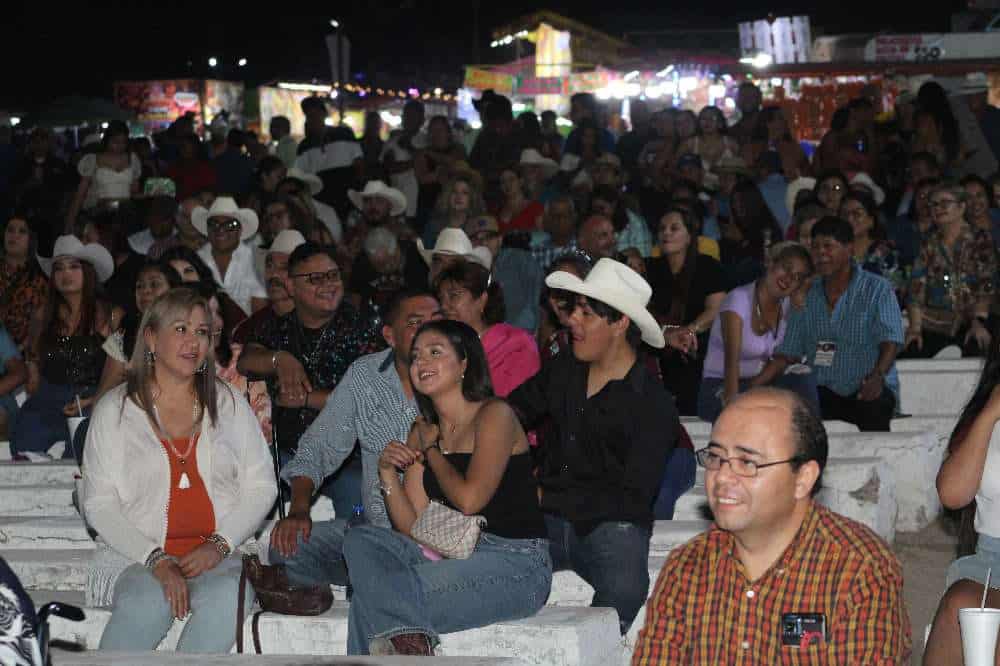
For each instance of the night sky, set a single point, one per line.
(48, 51)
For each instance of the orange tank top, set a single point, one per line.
(190, 515)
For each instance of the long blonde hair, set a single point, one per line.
(141, 373)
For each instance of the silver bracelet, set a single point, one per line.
(156, 557)
(220, 544)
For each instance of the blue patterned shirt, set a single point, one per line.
(368, 406)
(866, 315)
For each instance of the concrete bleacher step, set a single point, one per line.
(668, 534)
(556, 635)
(862, 489)
(37, 474)
(62, 570)
(44, 532)
(52, 499)
(568, 589)
(5, 450)
(936, 386)
(69, 658)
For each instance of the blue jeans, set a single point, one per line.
(343, 487)
(399, 591)
(613, 559)
(141, 616)
(678, 478)
(709, 405)
(40, 423)
(319, 561)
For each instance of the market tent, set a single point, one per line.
(76, 110)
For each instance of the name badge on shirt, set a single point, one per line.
(825, 351)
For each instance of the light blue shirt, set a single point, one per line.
(866, 315)
(521, 279)
(774, 189)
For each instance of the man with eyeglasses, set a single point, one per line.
(304, 354)
(778, 578)
(849, 332)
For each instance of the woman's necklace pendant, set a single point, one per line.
(185, 482)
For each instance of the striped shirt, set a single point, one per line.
(368, 406)
(866, 315)
(704, 610)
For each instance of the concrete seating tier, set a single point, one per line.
(556, 635)
(936, 387)
(863, 489)
(66, 658)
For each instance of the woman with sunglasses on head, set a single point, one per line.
(200, 482)
(751, 324)
(953, 282)
(468, 451)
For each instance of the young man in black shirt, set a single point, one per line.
(614, 427)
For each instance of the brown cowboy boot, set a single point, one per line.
(416, 645)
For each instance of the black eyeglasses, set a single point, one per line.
(745, 467)
(223, 226)
(321, 277)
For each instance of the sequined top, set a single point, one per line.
(75, 360)
(325, 355)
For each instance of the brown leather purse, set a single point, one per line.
(276, 595)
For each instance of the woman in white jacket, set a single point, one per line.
(176, 476)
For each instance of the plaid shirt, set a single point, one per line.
(704, 610)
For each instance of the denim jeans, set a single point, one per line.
(399, 591)
(613, 559)
(343, 487)
(678, 478)
(141, 616)
(709, 405)
(320, 560)
(40, 423)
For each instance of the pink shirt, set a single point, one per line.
(512, 355)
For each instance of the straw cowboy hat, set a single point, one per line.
(286, 241)
(225, 207)
(531, 157)
(455, 242)
(799, 184)
(376, 188)
(615, 284)
(92, 253)
(862, 179)
(314, 182)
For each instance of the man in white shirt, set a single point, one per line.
(229, 258)
(283, 146)
(159, 231)
(399, 152)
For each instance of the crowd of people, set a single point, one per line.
(510, 326)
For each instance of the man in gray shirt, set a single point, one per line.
(372, 404)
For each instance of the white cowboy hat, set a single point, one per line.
(286, 242)
(531, 157)
(615, 284)
(92, 253)
(225, 207)
(376, 188)
(455, 242)
(796, 186)
(974, 83)
(864, 180)
(314, 182)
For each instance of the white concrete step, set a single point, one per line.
(5, 450)
(862, 489)
(53, 499)
(937, 389)
(44, 532)
(100, 658)
(908, 365)
(556, 635)
(37, 474)
(62, 570)
(668, 534)
(568, 589)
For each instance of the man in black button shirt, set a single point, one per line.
(614, 427)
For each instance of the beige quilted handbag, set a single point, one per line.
(449, 532)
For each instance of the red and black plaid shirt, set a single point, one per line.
(704, 609)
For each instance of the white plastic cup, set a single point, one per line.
(73, 422)
(979, 634)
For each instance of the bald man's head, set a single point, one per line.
(597, 237)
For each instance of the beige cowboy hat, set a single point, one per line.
(286, 241)
(862, 179)
(531, 157)
(454, 242)
(376, 188)
(799, 184)
(312, 181)
(225, 207)
(93, 253)
(615, 284)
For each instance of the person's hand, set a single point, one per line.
(175, 588)
(397, 457)
(71, 409)
(682, 339)
(871, 388)
(979, 334)
(427, 433)
(914, 337)
(201, 559)
(293, 382)
(285, 536)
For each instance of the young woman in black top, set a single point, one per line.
(468, 451)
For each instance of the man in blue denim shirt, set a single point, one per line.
(373, 404)
(850, 331)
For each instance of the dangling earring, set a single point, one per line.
(150, 357)
(202, 368)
